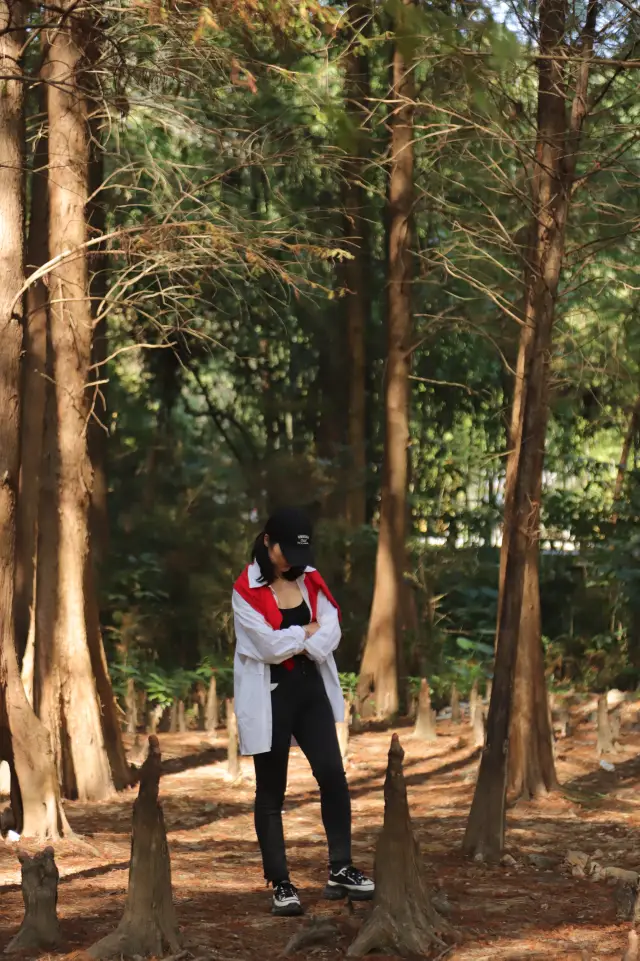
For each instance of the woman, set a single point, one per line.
(286, 685)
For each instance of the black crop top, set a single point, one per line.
(291, 616)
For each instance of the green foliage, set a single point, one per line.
(226, 177)
(349, 684)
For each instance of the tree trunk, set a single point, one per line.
(71, 343)
(27, 669)
(474, 701)
(182, 720)
(425, 729)
(356, 271)
(149, 926)
(233, 761)
(97, 445)
(532, 770)
(24, 743)
(173, 721)
(342, 731)
(154, 717)
(477, 724)
(379, 669)
(615, 724)
(455, 704)
(47, 701)
(39, 930)
(211, 718)
(485, 828)
(131, 707)
(98, 427)
(200, 703)
(484, 836)
(34, 348)
(627, 445)
(515, 431)
(403, 920)
(605, 743)
(109, 712)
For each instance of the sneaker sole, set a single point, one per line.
(335, 892)
(288, 911)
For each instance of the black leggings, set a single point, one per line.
(301, 709)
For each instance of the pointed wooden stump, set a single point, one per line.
(474, 700)
(342, 731)
(605, 744)
(477, 723)
(149, 923)
(211, 710)
(631, 954)
(233, 761)
(403, 920)
(39, 929)
(425, 729)
(455, 704)
(615, 724)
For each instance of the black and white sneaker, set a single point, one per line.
(349, 883)
(286, 902)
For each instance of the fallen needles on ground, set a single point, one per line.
(315, 933)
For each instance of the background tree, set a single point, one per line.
(66, 694)
(383, 648)
(24, 743)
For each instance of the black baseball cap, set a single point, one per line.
(291, 529)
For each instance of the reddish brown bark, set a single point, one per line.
(233, 760)
(531, 765)
(71, 342)
(531, 762)
(379, 669)
(24, 743)
(484, 834)
(39, 931)
(404, 921)
(532, 770)
(149, 926)
(112, 731)
(33, 392)
(556, 157)
(98, 426)
(425, 729)
(46, 681)
(211, 712)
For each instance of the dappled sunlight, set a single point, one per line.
(512, 911)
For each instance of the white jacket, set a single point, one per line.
(258, 646)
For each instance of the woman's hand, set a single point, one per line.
(311, 629)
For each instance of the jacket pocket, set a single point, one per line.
(251, 666)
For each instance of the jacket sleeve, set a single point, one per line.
(324, 642)
(256, 639)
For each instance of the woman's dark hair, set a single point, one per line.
(260, 555)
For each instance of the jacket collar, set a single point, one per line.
(254, 574)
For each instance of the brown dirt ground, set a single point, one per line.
(500, 913)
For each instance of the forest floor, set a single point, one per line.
(503, 912)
